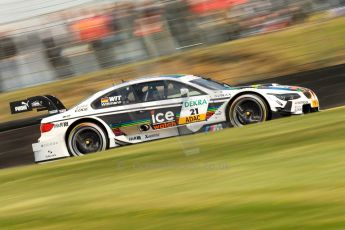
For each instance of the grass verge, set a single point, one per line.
(284, 174)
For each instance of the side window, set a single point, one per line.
(173, 90)
(122, 96)
(150, 91)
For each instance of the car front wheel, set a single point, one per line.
(248, 109)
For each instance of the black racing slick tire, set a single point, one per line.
(248, 109)
(86, 138)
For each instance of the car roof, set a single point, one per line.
(180, 77)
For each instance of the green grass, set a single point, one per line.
(284, 174)
(298, 48)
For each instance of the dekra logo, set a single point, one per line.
(195, 103)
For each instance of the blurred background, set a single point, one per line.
(286, 175)
(43, 41)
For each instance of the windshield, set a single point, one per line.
(211, 84)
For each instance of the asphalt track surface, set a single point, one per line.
(328, 84)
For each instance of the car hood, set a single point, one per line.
(272, 86)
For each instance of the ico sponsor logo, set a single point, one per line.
(162, 120)
(114, 100)
(61, 125)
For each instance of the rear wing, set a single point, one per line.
(40, 103)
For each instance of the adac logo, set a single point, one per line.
(163, 120)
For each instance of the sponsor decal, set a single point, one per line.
(314, 103)
(49, 144)
(299, 108)
(192, 119)
(195, 103)
(194, 110)
(61, 124)
(50, 154)
(53, 111)
(213, 128)
(299, 105)
(36, 104)
(279, 103)
(24, 106)
(222, 95)
(164, 125)
(81, 109)
(162, 117)
(213, 110)
(144, 128)
(118, 132)
(272, 86)
(134, 138)
(108, 101)
(151, 136)
(301, 102)
(295, 88)
(163, 120)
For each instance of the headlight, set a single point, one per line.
(287, 96)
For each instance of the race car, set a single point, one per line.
(152, 108)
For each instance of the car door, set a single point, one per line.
(194, 106)
(168, 111)
(160, 112)
(121, 110)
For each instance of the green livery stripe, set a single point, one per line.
(130, 123)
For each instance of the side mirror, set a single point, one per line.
(184, 92)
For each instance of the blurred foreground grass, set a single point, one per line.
(284, 174)
(302, 47)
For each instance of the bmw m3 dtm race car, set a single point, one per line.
(152, 108)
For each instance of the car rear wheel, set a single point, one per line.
(86, 138)
(248, 109)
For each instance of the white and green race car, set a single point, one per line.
(152, 108)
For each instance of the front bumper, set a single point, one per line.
(301, 106)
